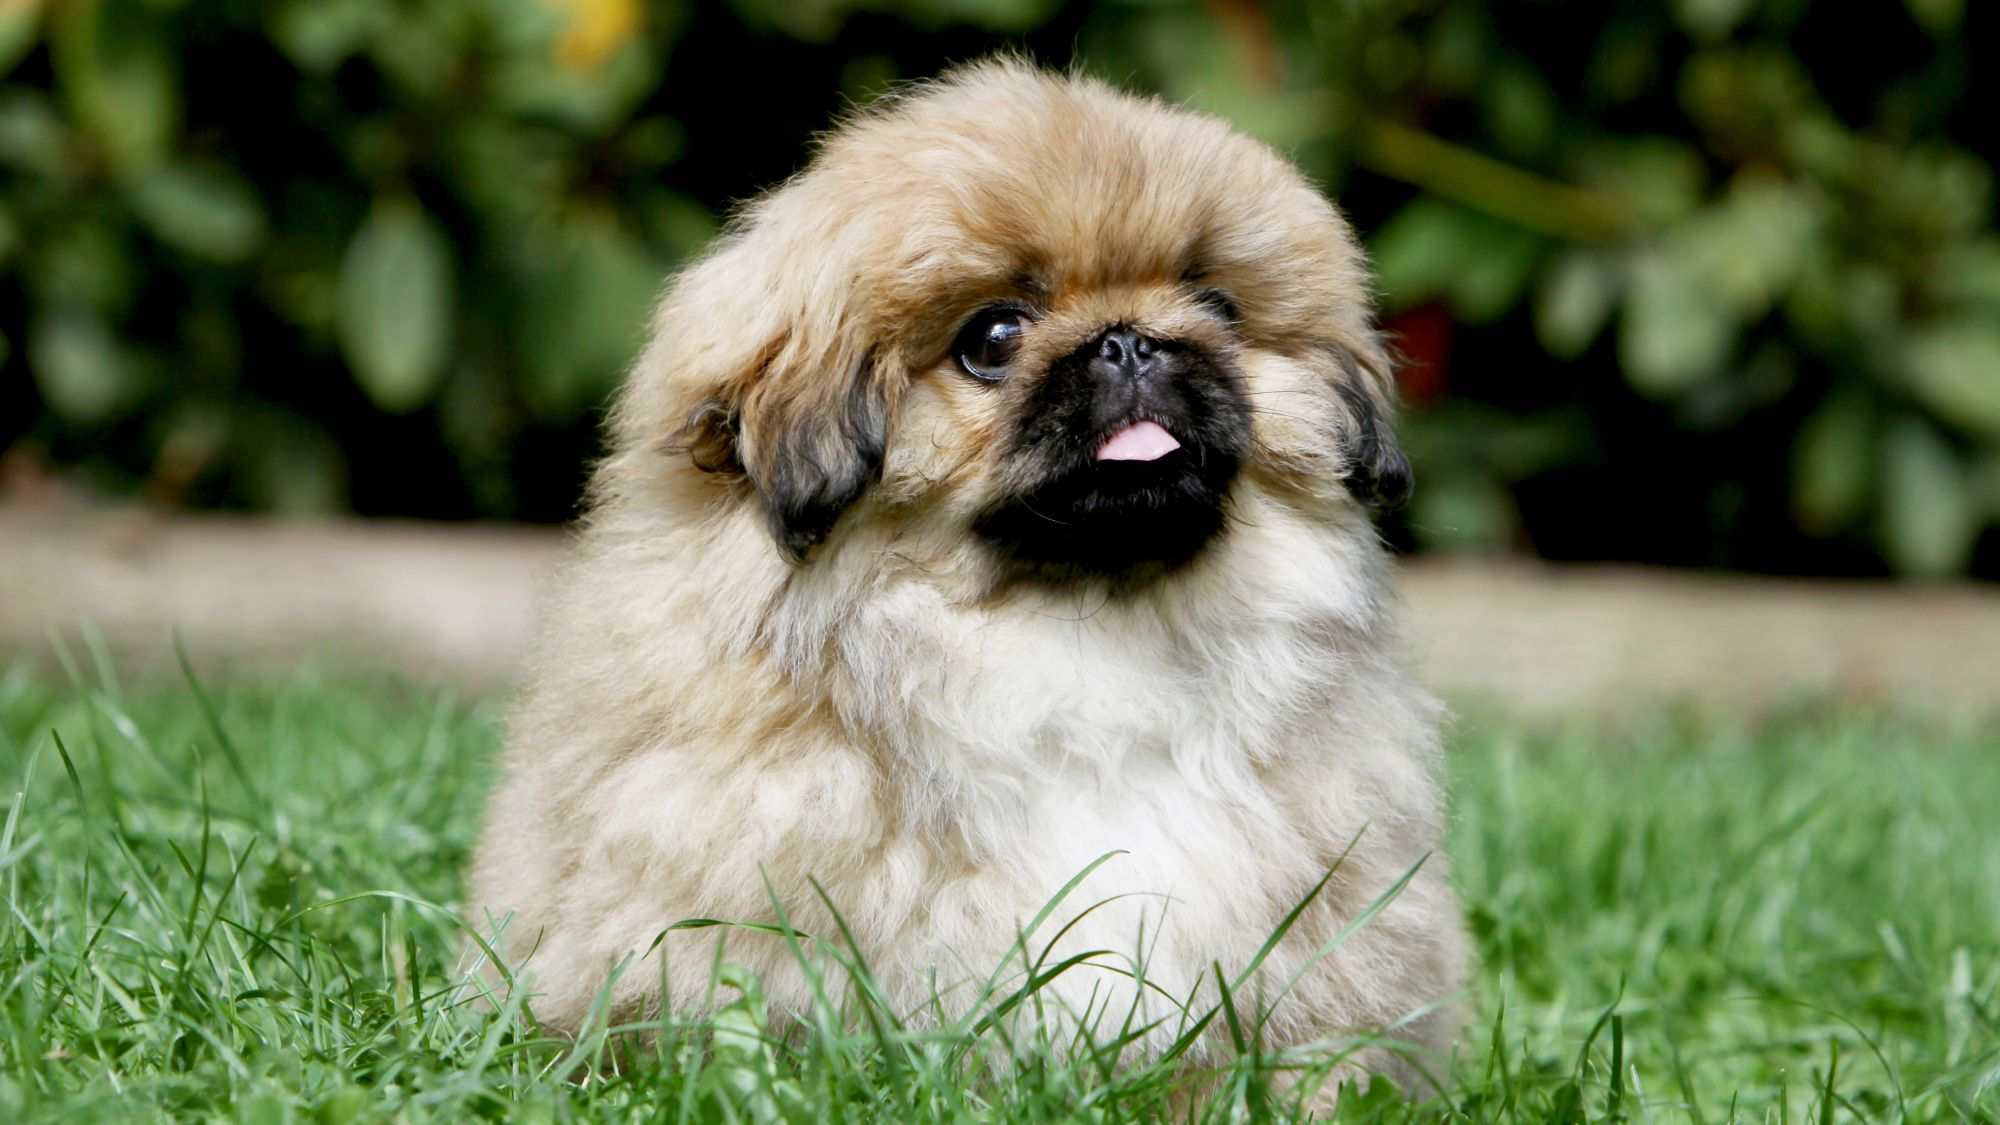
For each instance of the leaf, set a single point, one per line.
(394, 305)
(1955, 369)
(1815, 308)
(204, 210)
(83, 373)
(1972, 271)
(20, 25)
(1191, 51)
(503, 169)
(1463, 513)
(592, 287)
(1436, 249)
(1519, 108)
(1833, 461)
(82, 260)
(1710, 19)
(1748, 101)
(116, 72)
(1459, 48)
(422, 49)
(1574, 301)
(1380, 1100)
(1986, 484)
(1939, 17)
(1675, 333)
(1655, 179)
(1417, 251)
(1930, 514)
(586, 63)
(319, 35)
(1495, 279)
(1756, 240)
(1934, 194)
(33, 137)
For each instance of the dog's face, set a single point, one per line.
(1029, 318)
(1119, 440)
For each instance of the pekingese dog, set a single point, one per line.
(993, 496)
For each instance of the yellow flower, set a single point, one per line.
(597, 30)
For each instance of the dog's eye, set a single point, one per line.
(1219, 303)
(987, 343)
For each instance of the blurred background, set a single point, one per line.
(1709, 283)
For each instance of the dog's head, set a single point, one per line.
(1058, 324)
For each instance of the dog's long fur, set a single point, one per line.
(780, 653)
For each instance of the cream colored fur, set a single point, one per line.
(941, 749)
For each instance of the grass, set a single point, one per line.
(231, 902)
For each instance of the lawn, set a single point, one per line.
(232, 901)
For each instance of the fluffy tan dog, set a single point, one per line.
(993, 496)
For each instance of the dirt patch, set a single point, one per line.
(1543, 638)
(457, 602)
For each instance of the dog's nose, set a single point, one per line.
(1124, 355)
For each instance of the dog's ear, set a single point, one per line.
(761, 369)
(1378, 472)
(808, 441)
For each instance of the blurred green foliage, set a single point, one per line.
(1711, 282)
(1682, 208)
(263, 246)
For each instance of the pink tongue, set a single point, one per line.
(1140, 441)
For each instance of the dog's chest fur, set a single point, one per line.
(941, 766)
(1198, 734)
